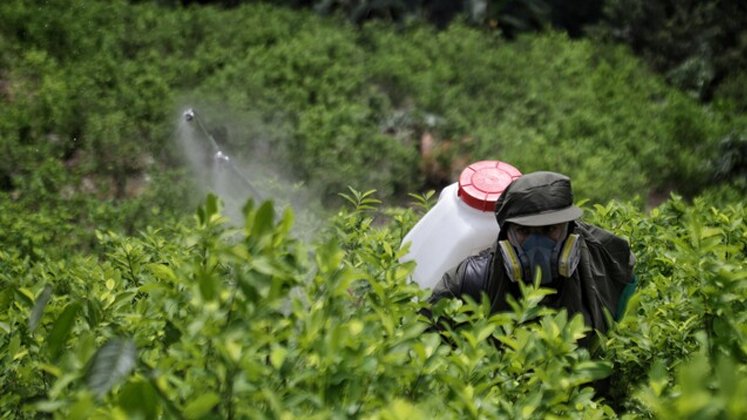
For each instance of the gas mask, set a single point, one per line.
(540, 255)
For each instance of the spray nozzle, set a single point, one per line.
(221, 157)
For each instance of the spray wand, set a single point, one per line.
(220, 158)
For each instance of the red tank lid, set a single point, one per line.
(481, 183)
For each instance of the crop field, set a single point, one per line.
(203, 206)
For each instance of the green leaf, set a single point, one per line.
(83, 408)
(277, 356)
(211, 205)
(201, 405)
(263, 265)
(329, 256)
(594, 370)
(286, 222)
(531, 403)
(26, 295)
(123, 299)
(210, 209)
(139, 399)
(342, 280)
(61, 329)
(402, 409)
(208, 285)
(162, 271)
(14, 346)
(39, 305)
(263, 219)
(6, 298)
(110, 365)
(658, 378)
(485, 332)
(93, 312)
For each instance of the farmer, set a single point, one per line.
(541, 237)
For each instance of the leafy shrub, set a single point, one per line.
(695, 44)
(200, 318)
(99, 86)
(203, 320)
(692, 296)
(546, 102)
(248, 328)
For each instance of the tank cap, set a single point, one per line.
(481, 183)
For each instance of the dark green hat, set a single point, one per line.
(537, 199)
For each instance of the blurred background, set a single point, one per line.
(635, 100)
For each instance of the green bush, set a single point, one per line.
(195, 324)
(698, 46)
(99, 85)
(199, 319)
(692, 295)
(546, 102)
(104, 315)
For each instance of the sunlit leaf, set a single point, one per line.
(162, 272)
(201, 405)
(277, 356)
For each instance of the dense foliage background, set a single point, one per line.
(116, 302)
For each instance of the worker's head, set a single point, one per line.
(537, 199)
(534, 214)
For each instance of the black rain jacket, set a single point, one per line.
(602, 282)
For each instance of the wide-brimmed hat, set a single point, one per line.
(537, 199)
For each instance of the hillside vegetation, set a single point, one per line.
(98, 87)
(125, 292)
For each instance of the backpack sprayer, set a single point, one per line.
(462, 222)
(220, 159)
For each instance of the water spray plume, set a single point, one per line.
(233, 177)
(220, 158)
(191, 116)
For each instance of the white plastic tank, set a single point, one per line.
(461, 223)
